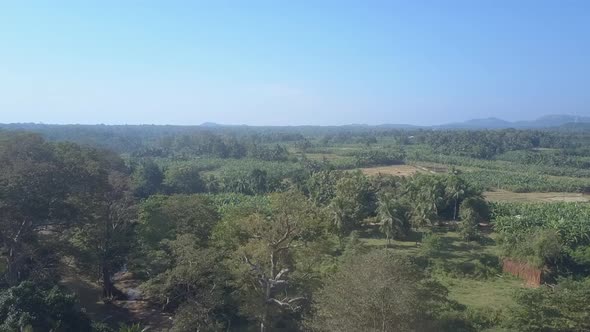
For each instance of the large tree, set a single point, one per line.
(44, 189)
(266, 278)
(378, 291)
(193, 286)
(38, 308)
(103, 243)
(184, 273)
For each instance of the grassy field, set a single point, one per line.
(492, 293)
(508, 196)
(460, 266)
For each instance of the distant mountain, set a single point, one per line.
(398, 126)
(489, 123)
(548, 121)
(555, 121)
(211, 124)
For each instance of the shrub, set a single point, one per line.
(431, 244)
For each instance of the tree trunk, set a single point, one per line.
(107, 283)
(267, 296)
(12, 273)
(455, 210)
(267, 292)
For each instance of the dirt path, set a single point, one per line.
(116, 312)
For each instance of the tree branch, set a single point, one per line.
(281, 273)
(287, 303)
(255, 267)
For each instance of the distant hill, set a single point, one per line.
(555, 120)
(211, 124)
(489, 123)
(548, 121)
(561, 121)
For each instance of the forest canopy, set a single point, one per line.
(292, 229)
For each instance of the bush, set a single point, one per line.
(431, 244)
(537, 247)
(562, 308)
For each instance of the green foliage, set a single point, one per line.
(163, 219)
(558, 158)
(393, 217)
(33, 307)
(581, 256)
(252, 176)
(147, 179)
(482, 144)
(563, 308)
(537, 246)
(523, 181)
(354, 201)
(132, 328)
(100, 327)
(258, 247)
(321, 186)
(192, 283)
(504, 164)
(370, 157)
(473, 211)
(431, 244)
(354, 246)
(184, 179)
(543, 233)
(47, 186)
(569, 219)
(232, 204)
(427, 196)
(377, 292)
(266, 266)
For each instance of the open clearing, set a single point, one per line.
(399, 170)
(508, 196)
(456, 255)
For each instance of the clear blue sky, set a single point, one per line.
(292, 62)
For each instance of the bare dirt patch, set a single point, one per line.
(508, 196)
(398, 170)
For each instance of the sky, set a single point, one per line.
(281, 62)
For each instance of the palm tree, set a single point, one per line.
(392, 216)
(455, 190)
(340, 221)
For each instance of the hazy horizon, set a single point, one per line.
(205, 123)
(304, 63)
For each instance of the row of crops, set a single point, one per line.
(546, 235)
(507, 164)
(486, 179)
(570, 220)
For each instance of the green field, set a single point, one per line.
(454, 266)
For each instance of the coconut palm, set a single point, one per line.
(393, 217)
